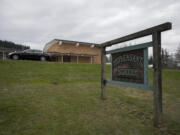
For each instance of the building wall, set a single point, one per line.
(84, 59)
(81, 49)
(81, 59)
(73, 59)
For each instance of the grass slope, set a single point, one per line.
(64, 99)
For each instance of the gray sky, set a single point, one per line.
(36, 22)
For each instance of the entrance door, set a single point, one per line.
(66, 59)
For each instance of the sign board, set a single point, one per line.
(129, 66)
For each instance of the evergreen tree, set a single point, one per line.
(11, 45)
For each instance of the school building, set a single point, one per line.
(74, 51)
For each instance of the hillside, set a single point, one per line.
(48, 98)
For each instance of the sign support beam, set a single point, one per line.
(143, 33)
(103, 77)
(157, 84)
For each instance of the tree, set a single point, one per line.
(167, 59)
(177, 54)
(12, 45)
(171, 62)
(150, 60)
(164, 57)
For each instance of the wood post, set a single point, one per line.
(91, 59)
(77, 59)
(62, 58)
(103, 77)
(157, 84)
(3, 56)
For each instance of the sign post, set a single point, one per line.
(157, 77)
(103, 78)
(129, 65)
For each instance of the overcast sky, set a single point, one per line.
(36, 22)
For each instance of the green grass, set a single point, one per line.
(46, 98)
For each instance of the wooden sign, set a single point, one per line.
(128, 66)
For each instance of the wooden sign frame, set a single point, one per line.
(157, 70)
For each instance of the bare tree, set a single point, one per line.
(164, 57)
(177, 55)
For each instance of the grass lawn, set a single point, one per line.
(46, 98)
